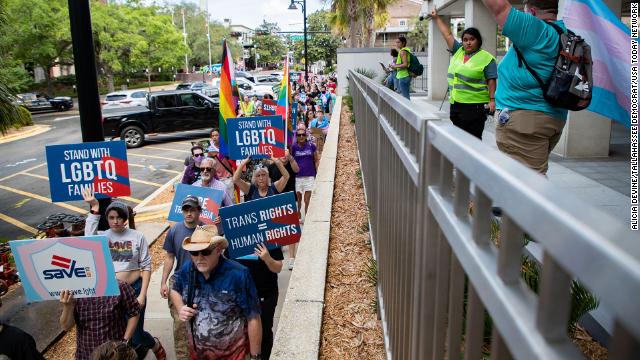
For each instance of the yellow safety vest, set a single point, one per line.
(403, 73)
(466, 80)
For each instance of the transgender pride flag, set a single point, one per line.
(609, 39)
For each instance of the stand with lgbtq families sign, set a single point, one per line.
(101, 166)
(82, 265)
(269, 107)
(259, 137)
(210, 200)
(271, 220)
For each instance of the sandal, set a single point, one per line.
(160, 353)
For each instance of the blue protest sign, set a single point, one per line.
(210, 200)
(82, 265)
(259, 137)
(101, 166)
(271, 220)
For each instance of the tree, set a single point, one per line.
(359, 19)
(269, 46)
(417, 38)
(9, 113)
(321, 46)
(40, 34)
(130, 38)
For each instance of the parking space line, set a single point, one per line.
(151, 167)
(42, 198)
(156, 157)
(168, 149)
(18, 173)
(34, 175)
(152, 215)
(129, 198)
(145, 182)
(18, 223)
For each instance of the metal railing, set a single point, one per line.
(439, 269)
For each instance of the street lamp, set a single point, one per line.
(292, 6)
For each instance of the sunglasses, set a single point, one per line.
(303, 135)
(198, 155)
(206, 169)
(205, 252)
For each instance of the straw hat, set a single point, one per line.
(204, 237)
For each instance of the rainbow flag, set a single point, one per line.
(284, 101)
(228, 96)
(609, 39)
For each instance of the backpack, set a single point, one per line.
(570, 85)
(415, 68)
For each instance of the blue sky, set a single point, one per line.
(251, 12)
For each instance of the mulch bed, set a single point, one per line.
(350, 327)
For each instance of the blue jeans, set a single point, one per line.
(141, 337)
(403, 86)
(390, 82)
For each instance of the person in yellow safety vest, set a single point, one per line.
(403, 78)
(246, 106)
(472, 79)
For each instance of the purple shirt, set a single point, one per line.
(305, 158)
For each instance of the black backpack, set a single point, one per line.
(571, 84)
(415, 68)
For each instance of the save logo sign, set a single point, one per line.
(65, 268)
(82, 265)
(100, 166)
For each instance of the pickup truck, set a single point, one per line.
(168, 111)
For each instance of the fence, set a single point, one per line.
(438, 267)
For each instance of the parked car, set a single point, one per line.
(41, 102)
(246, 87)
(125, 98)
(168, 111)
(200, 87)
(267, 80)
(278, 74)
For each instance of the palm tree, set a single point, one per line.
(9, 113)
(358, 19)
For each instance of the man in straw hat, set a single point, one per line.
(218, 300)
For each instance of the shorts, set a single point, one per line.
(305, 183)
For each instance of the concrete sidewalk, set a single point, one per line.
(600, 182)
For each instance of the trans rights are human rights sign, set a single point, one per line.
(272, 220)
(101, 166)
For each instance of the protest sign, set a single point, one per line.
(101, 166)
(271, 220)
(269, 107)
(82, 265)
(210, 200)
(259, 137)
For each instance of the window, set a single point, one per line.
(116, 97)
(139, 94)
(192, 100)
(403, 22)
(166, 101)
(183, 87)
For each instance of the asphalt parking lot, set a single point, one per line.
(25, 199)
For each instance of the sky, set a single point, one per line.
(251, 12)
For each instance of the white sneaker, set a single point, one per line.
(291, 261)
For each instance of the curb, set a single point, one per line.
(35, 130)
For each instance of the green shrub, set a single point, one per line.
(371, 74)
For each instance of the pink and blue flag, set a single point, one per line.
(609, 39)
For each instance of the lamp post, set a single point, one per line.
(293, 6)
